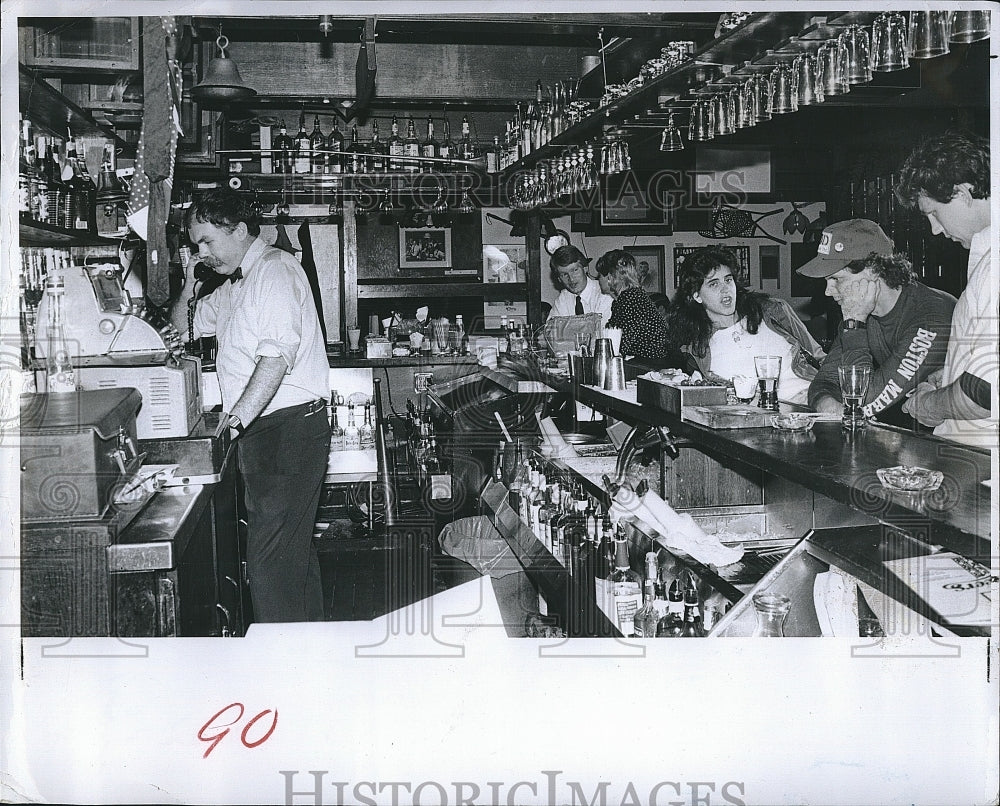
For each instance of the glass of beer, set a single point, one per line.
(768, 370)
(854, 379)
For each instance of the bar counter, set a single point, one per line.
(829, 462)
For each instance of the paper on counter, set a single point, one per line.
(674, 530)
(551, 437)
(959, 589)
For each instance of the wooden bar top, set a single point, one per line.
(839, 465)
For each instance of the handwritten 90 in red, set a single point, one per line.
(221, 729)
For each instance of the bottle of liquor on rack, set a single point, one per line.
(283, 148)
(334, 162)
(352, 434)
(90, 190)
(429, 147)
(27, 170)
(672, 624)
(336, 432)
(493, 156)
(395, 146)
(692, 615)
(466, 148)
(645, 620)
(447, 148)
(411, 147)
(302, 160)
(317, 148)
(379, 151)
(367, 431)
(358, 159)
(626, 589)
(47, 193)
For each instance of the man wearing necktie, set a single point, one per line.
(579, 292)
(274, 376)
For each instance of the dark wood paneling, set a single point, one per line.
(378, 250)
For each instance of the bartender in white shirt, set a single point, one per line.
(579, 292)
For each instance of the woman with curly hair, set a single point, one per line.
(723, 325)
(644, 333)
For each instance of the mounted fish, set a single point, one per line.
(795, 221)
(364, 76)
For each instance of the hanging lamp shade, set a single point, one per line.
(222, 83)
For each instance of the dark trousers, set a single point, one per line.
(283, 458)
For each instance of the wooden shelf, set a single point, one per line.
(53, 111)
(453, 286)
(36, 233)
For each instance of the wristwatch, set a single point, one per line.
(236, 424)
(854, 324)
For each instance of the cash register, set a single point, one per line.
(116, 341)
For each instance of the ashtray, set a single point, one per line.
(792, 422)
(907, 479)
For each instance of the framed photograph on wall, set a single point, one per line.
(651, 261)
(742, 256)
(424, 248)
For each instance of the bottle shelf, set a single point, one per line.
(37, 233)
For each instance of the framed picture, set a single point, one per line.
(651, 262)
(742, 256)
(505, 263)
(626, 209)
(424, 248)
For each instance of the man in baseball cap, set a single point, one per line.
(892, 323)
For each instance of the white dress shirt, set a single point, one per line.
(594, 301)
(269, 312)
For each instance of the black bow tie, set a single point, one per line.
(236, 275)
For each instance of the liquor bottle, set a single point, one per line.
(646, 619)
(358, 159)
(672, 624)
(27, 171)
(466, 148)
(446, 149)
(622, 590)
(283, 148)
(302, 160)
(90, 190)
(44, 176)
(352, 435)
(75, 215)
(692, 616)
(493, 156)
(379, 151)
(367, 434)
(411, 146)
(335, 143)
(429, 147)
(395, 145)
(59, 374)
(317, 147)
(336, 432)
(461, 338)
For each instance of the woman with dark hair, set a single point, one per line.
(723, 324)
(644, 333)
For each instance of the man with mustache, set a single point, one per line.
(274, 376)
(948, 179)
(892, 323)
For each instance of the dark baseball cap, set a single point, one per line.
(845, 242)
(567, 256)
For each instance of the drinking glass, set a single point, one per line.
(745, 388)
(768, 370)
(859, 69)
(889, 43)
(969, 26)
(928, 34)
(702, 122)
(745, 117)
(785, 91)
(762, 97)
(354, 339)
(854, 379)
(809, 77)
(833, 56)
(441, 335)
(723, 112)
(771, 610)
